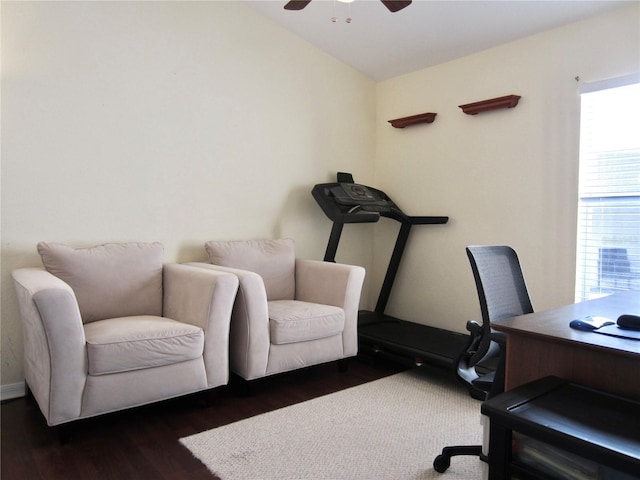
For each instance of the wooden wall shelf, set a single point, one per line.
(413, 120)
(508, 101)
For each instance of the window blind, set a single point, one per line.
(608, 244)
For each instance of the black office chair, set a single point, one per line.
(502, 293)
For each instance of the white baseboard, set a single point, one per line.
(13, 390)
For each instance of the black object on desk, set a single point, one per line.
(617, 331)
(378, 333)
(629, 322)
(553, 429)
(627, 326)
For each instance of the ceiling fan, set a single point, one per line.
(392, 5)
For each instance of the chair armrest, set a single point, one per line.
(475, 330)
(333, 284)
(329, 283)
(54, 343)
(480, 348)
(500, 338)
(197, 296)
(203, 298)
(250, 338)
(474, 327)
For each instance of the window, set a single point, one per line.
(608, 244)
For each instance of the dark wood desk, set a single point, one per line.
(542, 343)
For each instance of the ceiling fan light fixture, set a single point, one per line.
(392, 5)
(334, 19)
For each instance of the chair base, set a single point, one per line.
(443, 461)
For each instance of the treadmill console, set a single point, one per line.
(355, 194)
(349, 202)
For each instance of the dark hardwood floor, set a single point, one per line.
(142, 443)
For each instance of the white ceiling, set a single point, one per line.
(383, 45)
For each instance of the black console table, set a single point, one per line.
(554, 429)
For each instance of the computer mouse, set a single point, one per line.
(629, 322)
(590, 323)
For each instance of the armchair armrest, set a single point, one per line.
(203, 298)
(333, 284)
(249, 322)
(54, 342)
(329, 283)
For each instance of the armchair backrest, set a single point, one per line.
(111, 280)
(273, 260)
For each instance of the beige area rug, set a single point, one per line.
(389, 429)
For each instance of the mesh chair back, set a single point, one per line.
(501, 287)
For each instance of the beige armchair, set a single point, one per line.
(111, 327)
(289, 313)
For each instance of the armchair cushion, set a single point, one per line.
(273, 260)
(291, 321)
(111, 280)
(134, 343)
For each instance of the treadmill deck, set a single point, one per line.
(409, 342)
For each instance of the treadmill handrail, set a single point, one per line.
(428, 220)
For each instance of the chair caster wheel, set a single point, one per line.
(441, 463)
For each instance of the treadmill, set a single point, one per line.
(380, 334)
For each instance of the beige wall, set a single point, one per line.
(179, 122)
(184, 122)
(503, 177)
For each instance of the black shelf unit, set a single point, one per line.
(584, 433)
(380, 334)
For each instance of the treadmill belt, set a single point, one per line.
(414, 339)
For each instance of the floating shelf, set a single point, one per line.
(413, 120)
(509, 101)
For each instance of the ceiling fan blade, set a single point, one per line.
(395, 5)
(297, 4)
